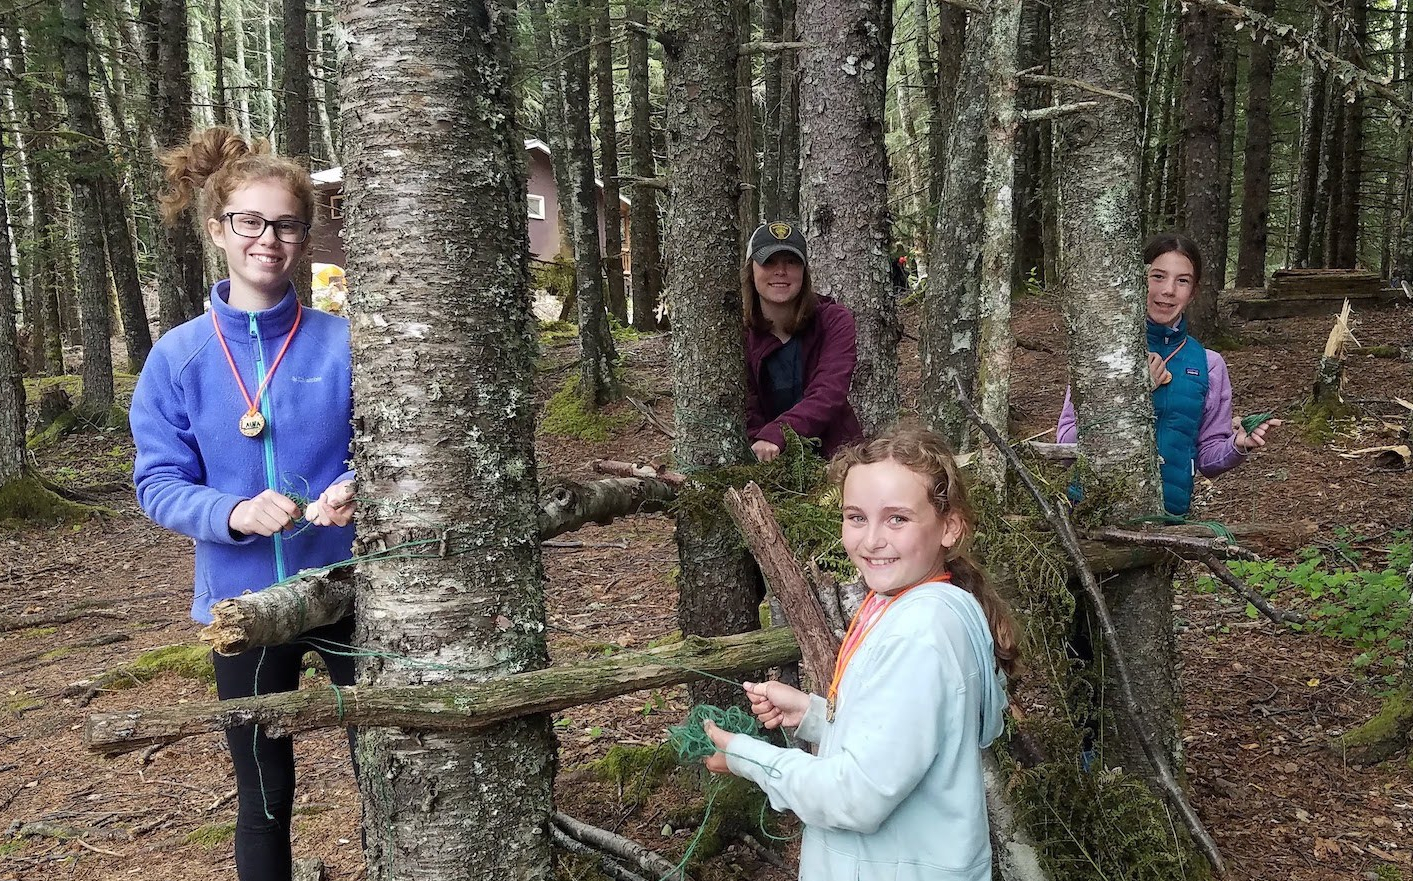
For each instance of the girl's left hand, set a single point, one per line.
(1257, 438)
(716, 762)
(334, 507)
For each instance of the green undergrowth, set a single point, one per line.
(1352, 594)
(1320, 423)
(565, 415)
(11, 846)
(556, 279)
(186, 661)
(211, 835)
(578, 867)
(555, 333)
(798, 490)
(22, 704)
(27, 500)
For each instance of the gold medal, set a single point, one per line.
(252, 423)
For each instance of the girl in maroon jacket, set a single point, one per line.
(799, 349)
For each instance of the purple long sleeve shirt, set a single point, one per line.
(1216, 439)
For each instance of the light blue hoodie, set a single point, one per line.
(896, 791)
(193, 464)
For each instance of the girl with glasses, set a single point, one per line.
(237, 413)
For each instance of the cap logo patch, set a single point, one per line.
(780, 230)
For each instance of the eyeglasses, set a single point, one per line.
(253, 226)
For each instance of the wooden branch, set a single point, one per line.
(34, 660)
(1224, 574)
(649, 415)
(277, 614)
(1053, 452)
(652, 863)
(1060, 523)
(1036, 79)
(462, 706)
(607, 864)
(631, 469)
(1182, 545)
(93, 610)
(1056, 110)
(818, 645)
(768, 48)
(651, 183)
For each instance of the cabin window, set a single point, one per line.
(336, 206)
(537, 207)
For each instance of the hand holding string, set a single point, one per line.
(334, 507)
(1248, 441)
(266, 514)
(776, 704)
(716, 762)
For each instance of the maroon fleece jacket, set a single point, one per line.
(828, 350)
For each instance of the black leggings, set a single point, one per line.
(264, 766)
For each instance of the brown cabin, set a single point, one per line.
(547, 241)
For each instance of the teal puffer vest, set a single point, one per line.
(1178, 408)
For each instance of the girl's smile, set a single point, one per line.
(1170, 287)
(261, 267)
(892, 531)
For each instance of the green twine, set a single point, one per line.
(1217, 528)
(690, 740)
(338, 696)
(1253, 422)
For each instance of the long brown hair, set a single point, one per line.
(1165, 242)
(805, 303)
(216, 162)
(925, 453)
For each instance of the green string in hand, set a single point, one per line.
(1253, 422)
(690, 740)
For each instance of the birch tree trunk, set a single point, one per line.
(295, 73)
(598, 383)
(608, 162)
(1256, 167)
(1201, 136)
(446, 409)
(643, 219)
(88, 157)
(1102, 281)
(12, 386)
(843, 90)
(717, 585)
(951, 305)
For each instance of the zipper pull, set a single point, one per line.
(254, 326)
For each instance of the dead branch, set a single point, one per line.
(455, 706)
(651, 183)
(92, 610)
(768, 48)
(22, 663)
(620, 545)
(652, 863)
(650, 416)
(763, 853)
(1182, 545)
(803, 612)
(568, 505)
(1055, 111)
(611, 867)
(1038, 79)
(1239, 587)
(1053, 452)
(630, 469)
(1064, 530)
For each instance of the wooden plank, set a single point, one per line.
(1269, 308)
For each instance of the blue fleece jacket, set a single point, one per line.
(896, 792)
(193, 464)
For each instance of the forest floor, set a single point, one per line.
(1261, 701)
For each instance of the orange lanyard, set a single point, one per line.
(1174, 351)
(859, 628)
(253, 404)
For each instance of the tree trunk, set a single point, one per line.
(1226, 147)
(717, 586)
(940, 83)
(1402, 247)
(1344, 212)
(218, 55)
(914, 182)
(1311, 137)
(554, 124)
(1031, 151)
(12, 386)
(951, 305)
(324, 91)
(598, 383)
(183, 249)
(243, 78)
(88, 157)
(429, 118)
(789, 117)
(1256, 167)
(122, 261)
(33, 265)
(1201, 168)
(269, 105)
(771, 31)
(608, 162)
(748, 200)
(845, 191)
(1104, 307)
(296, 113)
(996, 344)
(643, 217)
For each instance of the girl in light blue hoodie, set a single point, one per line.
(895, 792)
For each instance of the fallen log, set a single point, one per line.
(277, 614)
(631, 469)
(464, 706)
(649, 861)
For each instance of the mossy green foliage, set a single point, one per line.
(1384, 735)
(554, 333)
(636, 771)
(211, 835)
(22, 704)
(1321, 422)
(11, 846)
(729, 808)
(1386, 872)
(797, 487)
(26, 500)
(1098, 824)
(577, 867)
(186, 661)
(556, 279)
(566, 415)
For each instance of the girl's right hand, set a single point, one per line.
(1157, 371)
(776, 704)
(266, 514)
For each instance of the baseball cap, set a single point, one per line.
(776, 236)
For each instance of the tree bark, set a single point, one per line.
(1311, 136)
(88, 156)
(181, 270)
(843, 91)
(478, 706)
(218, 54)
(772, 65)
(243, 78)
(1344, 212)
(1032, 152)
(643, 217)
(748, 200)
(1104, 308)
(446, 427)
(789, 117)
(914, 154)
(295, 73)
(949, 342)
(1201, 167)
(717, 586)
(1256, 167)
(608, 162)
(12, 386)
(1226, 148)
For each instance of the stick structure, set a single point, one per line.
(1060, 523)
(649, 861)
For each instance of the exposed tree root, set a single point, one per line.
(1382, 737)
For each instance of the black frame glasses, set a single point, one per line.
(284, 227)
